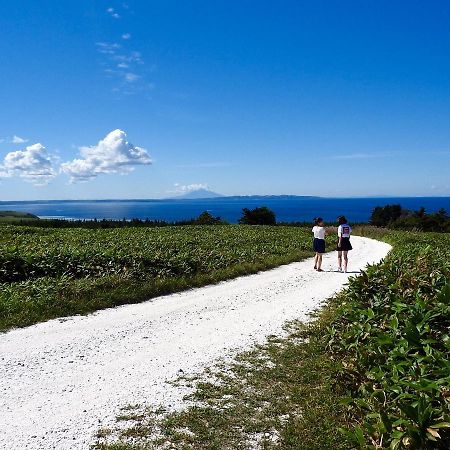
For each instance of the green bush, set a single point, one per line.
(397, 218)
(258, 216)
(391, 338)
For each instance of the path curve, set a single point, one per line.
(60, 381)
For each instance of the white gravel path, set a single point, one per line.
(61, 380)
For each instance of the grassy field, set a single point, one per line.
(14, 216)
(48, 273)
(372, 371)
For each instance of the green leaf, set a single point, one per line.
(394, 323)
(440, 425)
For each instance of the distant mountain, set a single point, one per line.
(198, 194)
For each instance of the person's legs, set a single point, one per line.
(345, 261)
(319, 261)
(339, 261)
(316, 257)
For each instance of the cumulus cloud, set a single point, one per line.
(126, 36)
(113, 154)
(186, 188)
(18, 140)
(33, 164)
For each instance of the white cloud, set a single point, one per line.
(131, 77)
(113, 154)
(125, 66)
(132, 57)
(126, 36)
(18, 140)
(106, 48)
(33, 164)
(185, 188)
(112, 12)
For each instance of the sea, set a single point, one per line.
(287, 208)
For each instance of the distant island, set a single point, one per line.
(197, 195)
(205, 194)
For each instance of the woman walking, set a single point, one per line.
(343, 245)
(319, 242)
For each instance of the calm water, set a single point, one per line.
(229, 208)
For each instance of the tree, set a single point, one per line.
(258, 216)
(393, 216)
(420, 213)
(382, 216)
(206, 218)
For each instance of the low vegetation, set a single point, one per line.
(391, 338)
(29, 220)
(47, 272)
(258, 216)
(15, 216)
(397, 218)
(372, 371)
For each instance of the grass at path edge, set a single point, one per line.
(83, 296)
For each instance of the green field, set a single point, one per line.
(48, 273)
(372, 372)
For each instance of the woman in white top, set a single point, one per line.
(319, 242)
(343, 245)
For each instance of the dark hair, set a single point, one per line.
(317, 220)
(341, 220)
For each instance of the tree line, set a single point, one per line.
(389, 216)
(257, 216)
(396, 217)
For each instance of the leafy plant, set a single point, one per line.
(47, 272)
(391, 336)
(258, 216)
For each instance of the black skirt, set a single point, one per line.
(319, 245)
(345, 245)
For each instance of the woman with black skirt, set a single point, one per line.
(343, 245)
(319, 242)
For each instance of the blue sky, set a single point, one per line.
(331, 98)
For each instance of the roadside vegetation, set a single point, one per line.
(397, 218)
(30, 220)
(371, 371)
(47, 273)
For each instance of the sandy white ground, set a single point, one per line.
(62, 380)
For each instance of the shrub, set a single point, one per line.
(394, 217)
(258, 216)
(391, 339)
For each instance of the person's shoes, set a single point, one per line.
(339, 269)
(315, 267)
(319, 270)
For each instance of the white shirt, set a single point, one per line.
(344, 230)
(319, 232)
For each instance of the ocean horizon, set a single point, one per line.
(288, 208)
